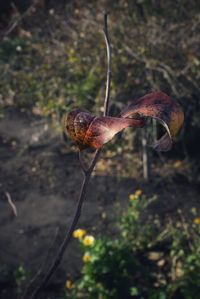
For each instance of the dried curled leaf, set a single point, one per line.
(87, 130)
(165, 109)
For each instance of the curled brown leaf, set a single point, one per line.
(165, 109)
(87, 130)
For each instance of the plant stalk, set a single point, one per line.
(31, 291)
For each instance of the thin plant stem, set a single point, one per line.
(33, 293)
(108, 50)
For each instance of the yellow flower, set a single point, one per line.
(138, 192)
(88, 240)
(69, 284)
(197, 220)
(86, 257)
(79, 233)
(136, 195)
(132, 197)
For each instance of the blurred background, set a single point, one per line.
(53, 59)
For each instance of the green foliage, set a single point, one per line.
(47, 81)
(146, 260)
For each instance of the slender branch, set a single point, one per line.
(39, 273)
(84, 169)
(108, 49)
(94, 161)
(10, 202)
(32, 293)
(54, 265)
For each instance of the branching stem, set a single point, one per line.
(32, 292)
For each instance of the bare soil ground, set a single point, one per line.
(43, 177)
